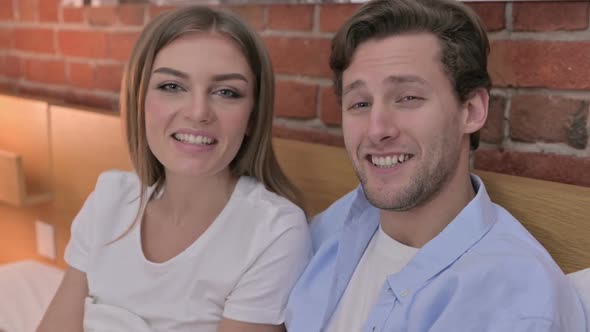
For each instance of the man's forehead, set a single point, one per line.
(394, 48)
(405, 58)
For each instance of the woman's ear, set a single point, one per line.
(476, 107)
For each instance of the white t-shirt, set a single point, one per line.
(383, 257)
(242, 267)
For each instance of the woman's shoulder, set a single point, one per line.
(116, 188)
(255, 194)
(115, 178)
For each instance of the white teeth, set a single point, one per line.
(389, 161)
(192, 139)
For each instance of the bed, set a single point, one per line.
(556, 214)
(26, 288)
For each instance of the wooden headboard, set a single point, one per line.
(85, 143)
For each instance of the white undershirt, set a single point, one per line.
(383, 257)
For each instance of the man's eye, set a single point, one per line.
(409, 98)
(359, 105)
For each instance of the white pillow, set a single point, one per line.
(581, 281)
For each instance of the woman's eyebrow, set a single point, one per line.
(170, 71)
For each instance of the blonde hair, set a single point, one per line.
(256, 157)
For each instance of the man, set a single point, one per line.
(419, 246)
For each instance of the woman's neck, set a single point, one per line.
(190, 199)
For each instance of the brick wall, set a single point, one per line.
(540, 64)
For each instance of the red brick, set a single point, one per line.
(81, 75)
(295, 100)
(6, 38)
(549, 119)
(108, 77)
(300, 55)
(101, 16)
(34, 40)
(43, 92)
(10, 66)
(73, 14)
(107, 103)
(132, 14)
(290, 17)
(491, 13)
(28, 10)
(6, 10)
(558, 168)
(7, 87)
(252, 14)
(154, 10)
(48, 10)
(330, 110)
(560, 65)
(121, 44)
(550, 16)
(45, 71)
(307, 135)
(89, 44)
(493, 130)
(333, 16)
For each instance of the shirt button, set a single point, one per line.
(404, 293)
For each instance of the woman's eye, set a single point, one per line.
(170, 87)
(227, 93)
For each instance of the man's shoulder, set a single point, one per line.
(521, 271)
(330, 221)
(509, 240)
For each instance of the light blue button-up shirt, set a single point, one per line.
(483, 272)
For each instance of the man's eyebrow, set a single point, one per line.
(170, 71)
(390, 80)
(230, 76)
(405, 79)
(354, 85)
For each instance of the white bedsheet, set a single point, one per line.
(26, 288)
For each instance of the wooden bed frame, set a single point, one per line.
(84, 143)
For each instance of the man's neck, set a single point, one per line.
(419, 225)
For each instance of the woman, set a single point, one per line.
(205, 234)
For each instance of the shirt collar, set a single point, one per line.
(468, 227)
(360, 224)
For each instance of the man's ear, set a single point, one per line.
(476, 110)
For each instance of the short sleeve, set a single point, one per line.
(261, 294)
(114, 202)
(81, 238)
